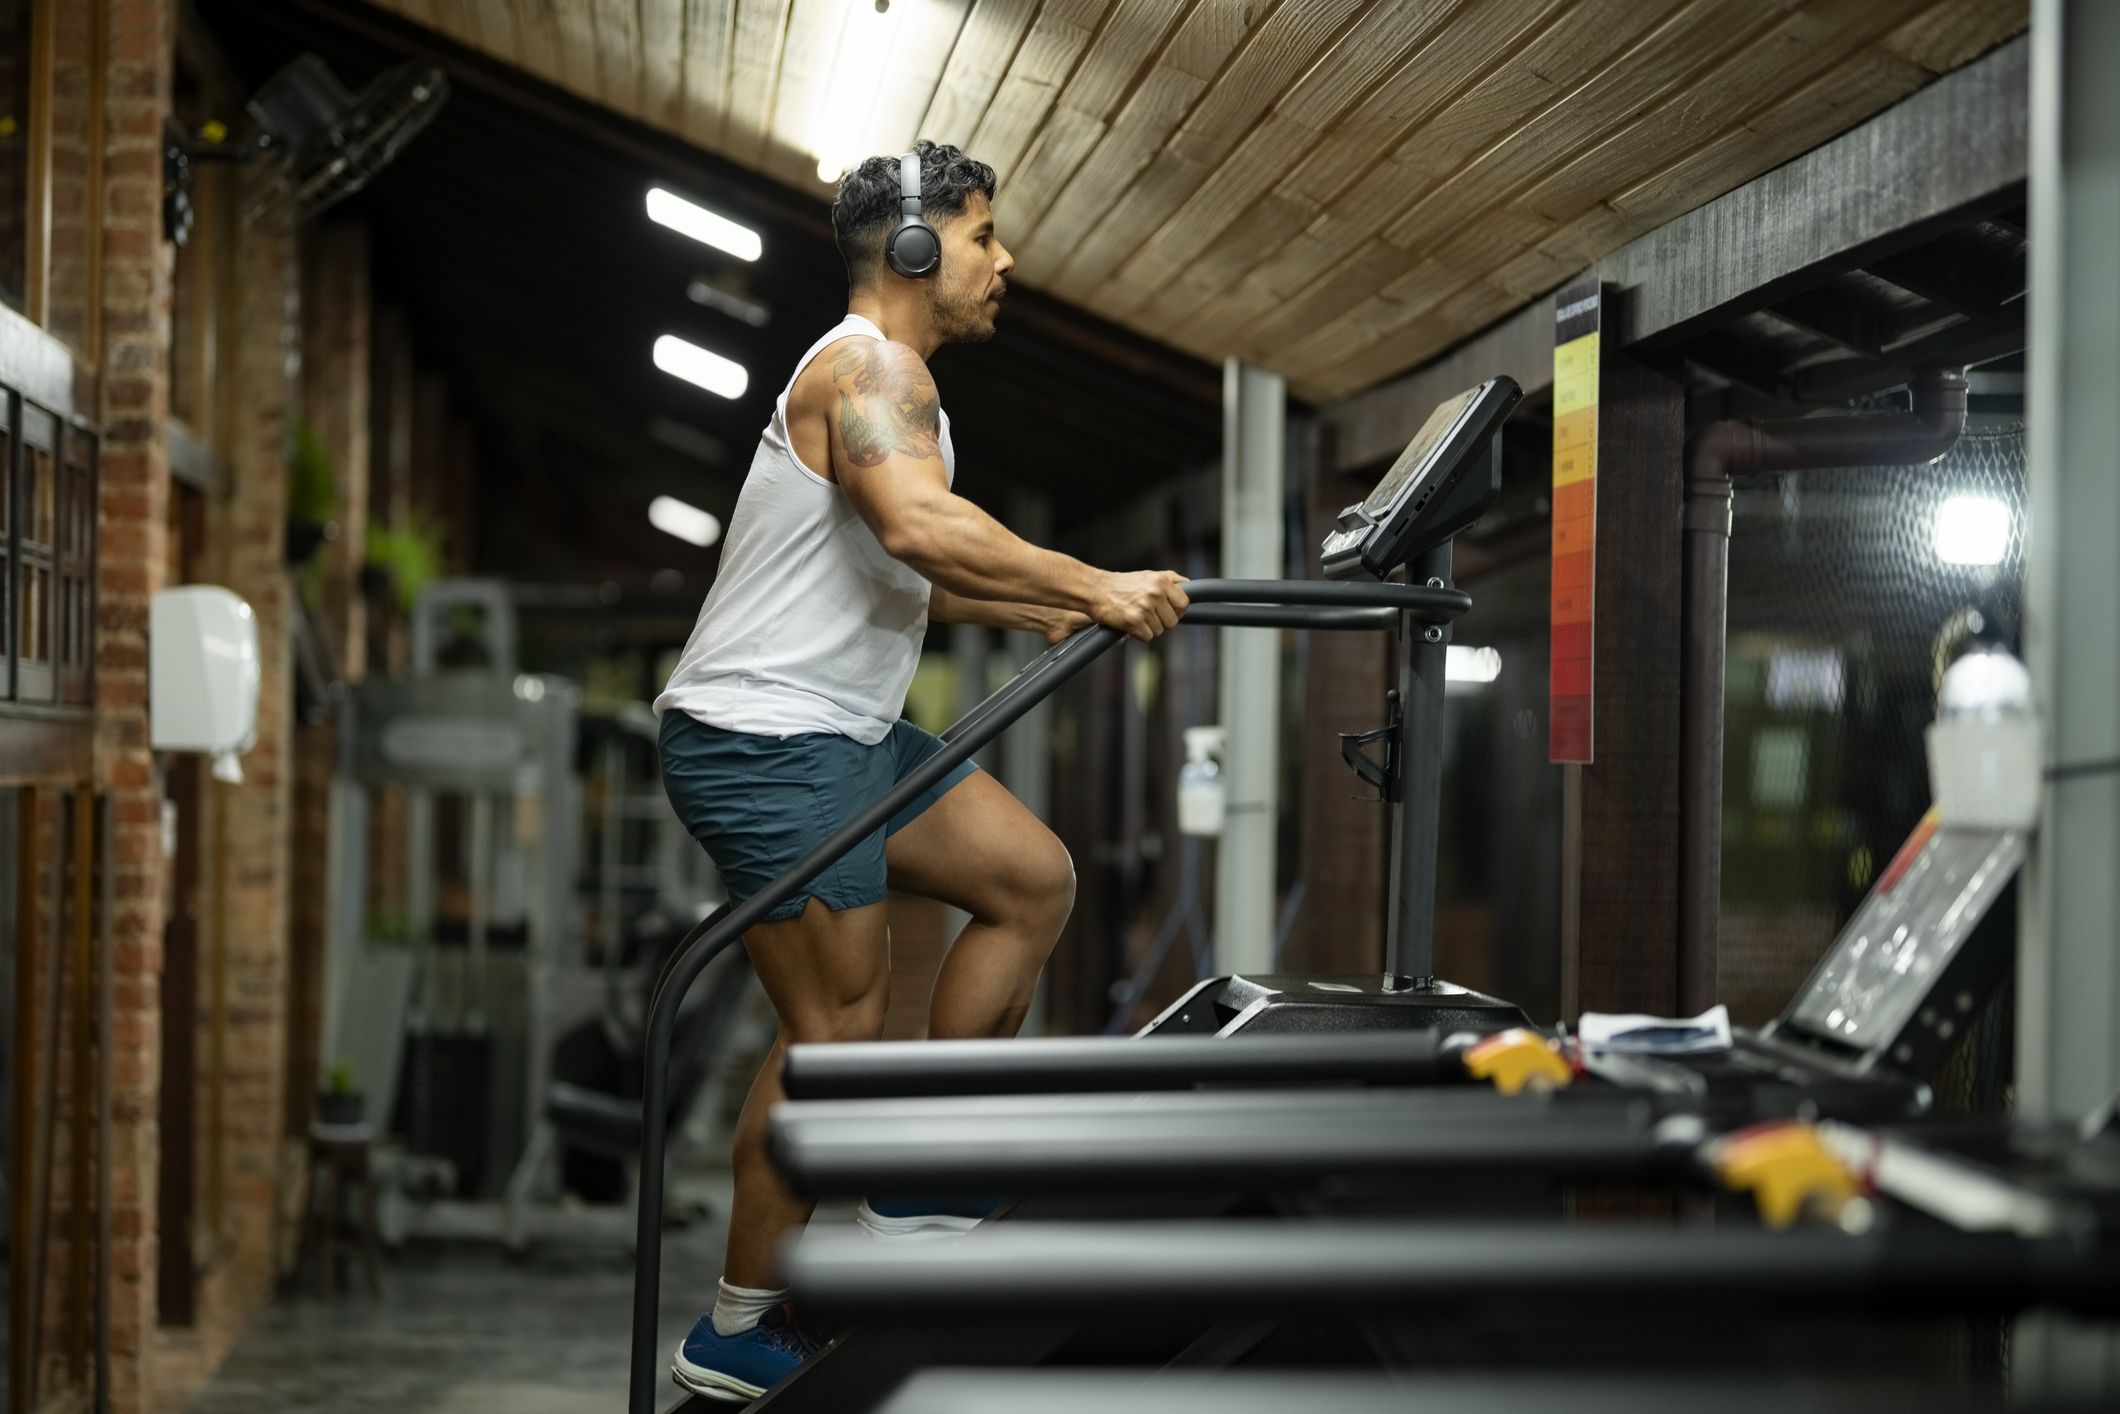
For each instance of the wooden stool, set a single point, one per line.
(338, 1156)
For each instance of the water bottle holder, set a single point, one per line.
(1382, 776)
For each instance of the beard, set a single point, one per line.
(961, 318)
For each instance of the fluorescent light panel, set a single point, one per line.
(711, 227)
(682, 359)
(686, 522)
(1972, 530)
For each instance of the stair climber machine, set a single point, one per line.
(1819, 1122)
(1062, 1120)
(1444, 480)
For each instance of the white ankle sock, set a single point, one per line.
(739, 1308)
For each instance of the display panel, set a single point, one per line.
(1427, 496)
(1889, 957)
(1418, 452)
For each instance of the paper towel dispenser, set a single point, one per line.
(203, 675)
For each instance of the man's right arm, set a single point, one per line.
(887, 457)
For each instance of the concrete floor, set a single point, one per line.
(463, 1330)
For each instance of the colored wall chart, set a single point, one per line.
(1569, 736)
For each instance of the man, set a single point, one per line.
(782, 718)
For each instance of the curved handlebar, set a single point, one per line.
(1427, 605)
(1220, 603)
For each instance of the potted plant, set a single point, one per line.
(312, 496)
(407, 558)
(339, 1103)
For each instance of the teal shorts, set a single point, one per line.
(757, 804)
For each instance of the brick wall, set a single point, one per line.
(250, 916)
(135, 491)
(247, 912)
(74, 171)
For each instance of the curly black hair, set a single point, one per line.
(866, 208)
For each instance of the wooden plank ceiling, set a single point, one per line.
(1334, 189)
(510, 245)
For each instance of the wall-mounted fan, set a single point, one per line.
(317, 143)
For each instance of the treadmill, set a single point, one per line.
(1448, 475)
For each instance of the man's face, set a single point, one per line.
(965, 294)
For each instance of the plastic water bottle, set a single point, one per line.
(1202, 792)
(1985, 751)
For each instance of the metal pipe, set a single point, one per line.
(1716, 456)
(1248, 671)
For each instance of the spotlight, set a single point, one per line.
(1972, 530)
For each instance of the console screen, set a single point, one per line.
(1418, 452)
(1888, 959)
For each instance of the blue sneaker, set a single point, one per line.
(921, 1218)
(740, 1367)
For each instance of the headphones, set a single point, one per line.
(913, 249)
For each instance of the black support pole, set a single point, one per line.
(1424, 650)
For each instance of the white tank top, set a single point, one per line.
(810, 626)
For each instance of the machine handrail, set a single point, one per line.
(1428, 604)
(1227, 603)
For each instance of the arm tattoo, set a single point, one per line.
(891, 408)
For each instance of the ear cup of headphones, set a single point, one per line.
(913, 250)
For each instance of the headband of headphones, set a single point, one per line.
(913, 249)
(909, 184)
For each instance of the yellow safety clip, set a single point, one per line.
(1518, 1060)
(1788, 1172)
